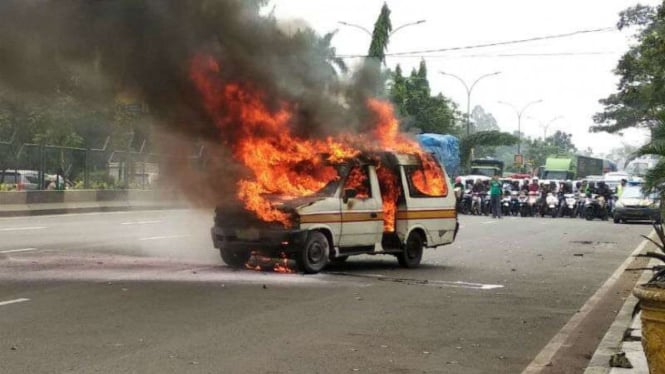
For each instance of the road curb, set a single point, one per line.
(544, 357)
(614, 338)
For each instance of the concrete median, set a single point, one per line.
(27, 203)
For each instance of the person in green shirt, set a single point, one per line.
(495, 196)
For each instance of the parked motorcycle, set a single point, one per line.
(595, 206)
(476, 204)
(486, 204)
(523, 200)
(514, 203)
(550, 206)
(506, 205)
(532, 203)
(568, 206)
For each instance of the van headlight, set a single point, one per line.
(619, 204)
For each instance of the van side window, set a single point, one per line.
(424, 184)
(358, 179)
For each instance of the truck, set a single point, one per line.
(576, 167)
(488, 167)
(352, 215)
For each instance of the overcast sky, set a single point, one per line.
(570, 85)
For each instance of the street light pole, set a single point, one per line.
(519, 120)
(548, 125)
(366, 30)
(468, 94)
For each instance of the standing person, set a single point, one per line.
(459, 192)
(495, 196)
(620, 187)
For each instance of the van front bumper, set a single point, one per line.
(251, 239)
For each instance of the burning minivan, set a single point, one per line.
(378, 203)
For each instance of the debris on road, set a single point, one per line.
(619, 360)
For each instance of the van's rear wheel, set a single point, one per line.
(314, 255)
(412, 253)
(234, 259)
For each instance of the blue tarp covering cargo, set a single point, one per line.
(445, 148)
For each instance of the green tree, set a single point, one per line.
(381, 35)
(483, 138)
(482, 120)
(563, 142)
(640, 97)
(420, 111)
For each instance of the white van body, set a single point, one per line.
(351, 224)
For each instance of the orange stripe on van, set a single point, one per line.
(344, 217)
(427, 214)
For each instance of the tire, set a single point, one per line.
(412, 253)
(234, 259)
(314, 255)
(616, 219)
(588, 214)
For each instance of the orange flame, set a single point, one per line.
(283, 164)
(390, 191)
(357, 180)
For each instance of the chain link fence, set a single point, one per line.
(30, 166)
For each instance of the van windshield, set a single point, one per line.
(330, 189)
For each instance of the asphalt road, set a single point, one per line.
(144, 292)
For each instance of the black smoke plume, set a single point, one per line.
(97, 48)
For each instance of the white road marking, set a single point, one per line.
(426, 282)
(23, 228)
(488, 222)
(475, 286)
(164, 237)
(140, 222)
(18, 250)
(2, 303)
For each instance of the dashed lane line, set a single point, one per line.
(140, 222)
(23, 228)
(164, 237)
(18, 250)
(8, 302)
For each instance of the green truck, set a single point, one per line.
(577, 167)
(488, 167)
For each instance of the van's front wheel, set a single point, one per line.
(412, 252)
(314, 255)
(234, 259)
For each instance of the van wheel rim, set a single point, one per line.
(315, 253)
